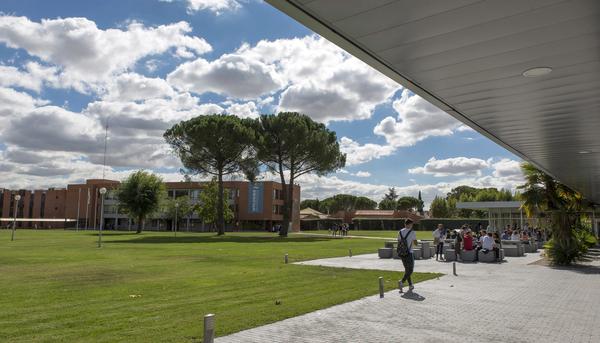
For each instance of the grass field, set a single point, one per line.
(380, 233)
(57, 286)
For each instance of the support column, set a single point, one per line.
(521, 210)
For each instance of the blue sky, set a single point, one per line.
(69, 66)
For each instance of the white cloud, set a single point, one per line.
(14, 104)
(417, 120)
(33, 77)
(245, 110)
(362, 174)
(507, 168)
(314, 76)
(53, 128)
(452, 167)
(89, 56)
(132, 87)
(233, 75)
(357, 154)
(215, 6)
(464, 128)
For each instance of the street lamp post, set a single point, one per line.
(17, 198)
(175, 227)
(102, 192)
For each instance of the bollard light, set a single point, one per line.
(209, 329)
(350, 252)
(380, 287)
(102, 192)
(285, 258)
(454, 268)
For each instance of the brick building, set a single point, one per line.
(255, 206)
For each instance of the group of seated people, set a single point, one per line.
(516, 234)
(466, 240)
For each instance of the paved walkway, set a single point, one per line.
(509, 302)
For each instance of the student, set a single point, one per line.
(515, 236)
(468, 241)
(410, 237)
(505, 235)
(489, 244)
(438, 240)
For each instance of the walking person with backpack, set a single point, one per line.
(406, 238)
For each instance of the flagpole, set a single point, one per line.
(78, 206)
(87, 210)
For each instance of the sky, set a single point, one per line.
(69, 67)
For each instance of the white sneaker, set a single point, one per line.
(410, 288)
(400, 286)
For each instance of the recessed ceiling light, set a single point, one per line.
(537, 71)
(584, 152)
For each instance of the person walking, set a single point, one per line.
(438, 240)
(406, 238)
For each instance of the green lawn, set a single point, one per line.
(378, 233)
(57, 286)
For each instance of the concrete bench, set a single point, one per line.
(417, 254)
(489, 257)
(468, 255)
(385, 252)
(520, 251)
(425, 250)
(450, 255)
(511, 250)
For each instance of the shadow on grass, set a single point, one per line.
(218, 239)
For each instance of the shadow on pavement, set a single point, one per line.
(412, 295)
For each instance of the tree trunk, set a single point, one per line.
(284, 192)
(290, 203)
(139, 224)
(220, 205)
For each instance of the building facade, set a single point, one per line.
(256, 206)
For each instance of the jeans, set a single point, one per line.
(440, 248)
(409, 266)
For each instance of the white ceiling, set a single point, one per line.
(467, 57)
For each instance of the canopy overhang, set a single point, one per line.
(468, 57)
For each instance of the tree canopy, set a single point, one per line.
(292, 144)
(208, 207)
(140, 195)
(215, 145)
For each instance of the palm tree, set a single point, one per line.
(543, 195)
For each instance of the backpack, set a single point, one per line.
(403, 246)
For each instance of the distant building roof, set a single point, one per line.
(309, 213)
(476, 205)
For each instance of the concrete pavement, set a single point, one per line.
(515, 301)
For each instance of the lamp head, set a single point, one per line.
(17, 197)
(102, 191)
